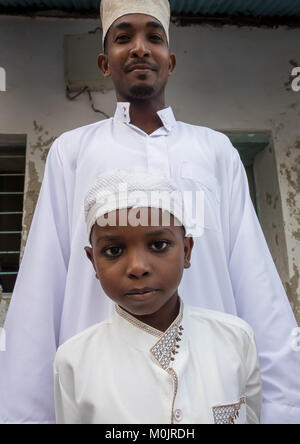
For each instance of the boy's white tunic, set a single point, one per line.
(57, 294)
(120, 372)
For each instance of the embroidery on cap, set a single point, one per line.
(226, 414)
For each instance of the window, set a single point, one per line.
(248, 146)
(258, 156)
(12, 172)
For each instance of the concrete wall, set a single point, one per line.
(227, 78)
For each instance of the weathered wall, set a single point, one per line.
(227, 78)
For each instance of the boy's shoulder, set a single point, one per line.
(222, 320)
(75, 347)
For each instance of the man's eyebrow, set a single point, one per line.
(124, 25)
(155, 25)
(127, 25)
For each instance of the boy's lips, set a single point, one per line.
(141, 293)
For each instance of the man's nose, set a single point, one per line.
(138, 266)
(140, 48)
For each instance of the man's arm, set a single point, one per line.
(262, 302)
(33, 319)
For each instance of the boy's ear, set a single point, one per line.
(188, 247)
(89, 253)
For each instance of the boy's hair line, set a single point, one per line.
(181, 226)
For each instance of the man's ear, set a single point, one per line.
(188, 247)
(89, 253)
(172, 63)
(103, 64)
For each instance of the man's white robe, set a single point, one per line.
(57, 295)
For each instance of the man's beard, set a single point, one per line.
(141, 91)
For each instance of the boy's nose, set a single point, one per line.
(138, 266)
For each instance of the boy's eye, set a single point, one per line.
(112, 251)
(160, 245)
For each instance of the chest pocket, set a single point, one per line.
(230, 413)
(194, 177)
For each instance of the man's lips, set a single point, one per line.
(140, 67)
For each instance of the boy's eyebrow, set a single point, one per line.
(162, 231)
(127, 25)
(111, 237)
(108, 237)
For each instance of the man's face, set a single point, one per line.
(139, 267)
(137, 57)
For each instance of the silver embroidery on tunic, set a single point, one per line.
(226, 414)
(166, 345)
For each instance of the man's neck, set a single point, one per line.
(145, 117)
(143, 114)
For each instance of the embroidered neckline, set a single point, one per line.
(167, 344)
(139, 324)
(164, 349)
(147, 328)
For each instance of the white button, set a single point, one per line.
(178, 415)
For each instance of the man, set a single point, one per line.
(56, 294)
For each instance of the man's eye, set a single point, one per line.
(122, 38)
(156, 37)
(112, 251)
(160, 245)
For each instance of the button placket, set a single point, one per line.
(157, 155)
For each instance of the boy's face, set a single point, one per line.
(137, 56)
(140, 267)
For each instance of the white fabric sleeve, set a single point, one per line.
(253, 384)
(65, 406)
(261, 301)
(33, 319)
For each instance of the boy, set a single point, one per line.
(154, 361)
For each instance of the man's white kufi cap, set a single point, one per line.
(111, 10)
(119, 189)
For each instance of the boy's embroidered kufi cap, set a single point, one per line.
(111, 10)
(119, 189)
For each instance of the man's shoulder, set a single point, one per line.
(69, 144)
(215, 140)
(220, 320)
(85, 130)
(203, 130)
